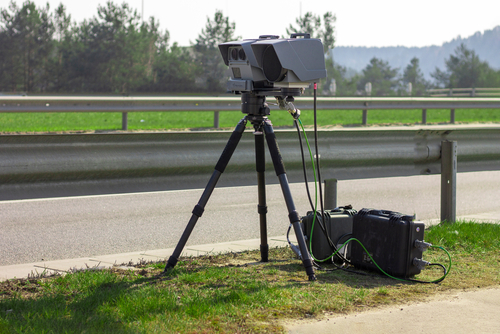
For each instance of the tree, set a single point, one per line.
(492, 79)
(62, 42)
(173, 71)
(464, 70)
(345, 86)
(115, 51)
(413, 74)
(112, 52)
(26, 38)
(382, 77)
(211, 68)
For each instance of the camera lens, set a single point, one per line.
(242, 54)
(271, 65)
(234, 54)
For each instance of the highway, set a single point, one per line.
(71, 227)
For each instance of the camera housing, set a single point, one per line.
(270, 63)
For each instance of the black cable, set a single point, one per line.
(318, 169)
(317, 151)
(342, 236)
(436, 281)
(303, 164)
(322, 210)
(318, 219)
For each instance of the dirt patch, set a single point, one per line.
(22, 288)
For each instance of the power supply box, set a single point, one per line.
(389, 237)
(338, 224)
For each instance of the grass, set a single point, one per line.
(233, 292)
(58, 122)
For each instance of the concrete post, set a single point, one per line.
(330, 194)
(216, 120)
(124, 120)
(365, 115)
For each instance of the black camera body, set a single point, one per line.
(270, 63)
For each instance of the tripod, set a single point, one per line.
(255, 106)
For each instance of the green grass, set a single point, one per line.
(232, 293)
(59, 122)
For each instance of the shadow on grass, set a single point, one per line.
(104, 302)
(351, 277)
(63, 306)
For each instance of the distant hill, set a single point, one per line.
(486, 45)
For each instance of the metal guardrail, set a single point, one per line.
(77, 164)
(464, 92)
(231, 103)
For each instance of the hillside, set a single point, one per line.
(486, 45)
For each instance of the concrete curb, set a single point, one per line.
(124, 259)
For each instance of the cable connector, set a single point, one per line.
(287, 105)
(420, 264)
(422, 245)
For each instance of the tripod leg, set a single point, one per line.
(260, 159)
(292, 213)
(200, 207)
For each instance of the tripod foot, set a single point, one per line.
(172, 261)
(308, 265)
(264, 253)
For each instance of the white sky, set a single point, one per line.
(359, 22)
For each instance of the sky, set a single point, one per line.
(359, 23)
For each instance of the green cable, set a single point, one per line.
(449, 259)
(354, 239)
(402, 279)
(315, 196)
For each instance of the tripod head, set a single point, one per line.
(254, 103)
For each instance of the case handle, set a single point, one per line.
(305, 35)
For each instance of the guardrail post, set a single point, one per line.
(124, 120)
(452, 116)
(330, 194)
(365, 113)
(216, 120)
(424, 116)
(448, 180)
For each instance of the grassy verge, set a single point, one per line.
(234, 293)
(53, 122)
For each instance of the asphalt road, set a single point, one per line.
(73, 227)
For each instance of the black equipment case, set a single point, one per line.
(338, 224)
(389, 237)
